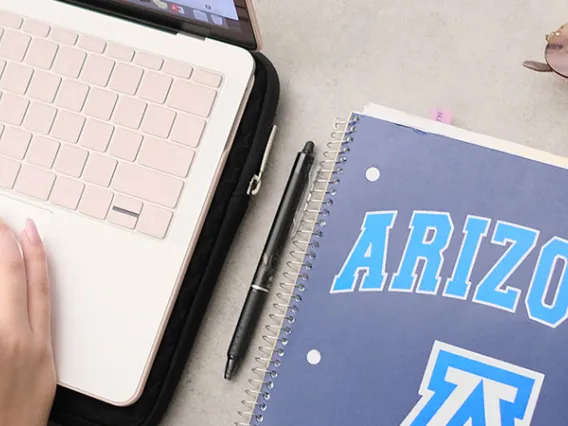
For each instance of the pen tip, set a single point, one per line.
(230, 368)
(309, 147)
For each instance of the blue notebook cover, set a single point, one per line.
(433, 291)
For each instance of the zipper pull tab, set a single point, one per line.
(256, 181)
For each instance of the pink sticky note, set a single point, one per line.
(442, 115)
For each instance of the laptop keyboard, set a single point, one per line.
(101, 129)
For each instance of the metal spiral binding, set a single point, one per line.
(317, 207)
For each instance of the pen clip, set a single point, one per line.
(302, 206)
(256, 181)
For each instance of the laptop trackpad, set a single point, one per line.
(15, 213)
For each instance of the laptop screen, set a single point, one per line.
(225, 19)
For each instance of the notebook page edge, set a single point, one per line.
(454, 132)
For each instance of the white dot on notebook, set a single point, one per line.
(372, 174)
(314, 357)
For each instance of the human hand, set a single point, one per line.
(27, 371)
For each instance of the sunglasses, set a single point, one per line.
(555, 54)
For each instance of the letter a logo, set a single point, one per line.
(463, 388)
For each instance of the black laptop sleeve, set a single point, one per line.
(228, 208)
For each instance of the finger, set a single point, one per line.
(38, 282)
(13, 291)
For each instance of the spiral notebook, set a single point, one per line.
(427, 286)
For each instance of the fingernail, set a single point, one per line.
(32, 232)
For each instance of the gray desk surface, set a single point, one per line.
(333, 56)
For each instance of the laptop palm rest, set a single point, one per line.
(15, 213)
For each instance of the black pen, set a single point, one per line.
(264, 274)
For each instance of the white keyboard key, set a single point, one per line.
(129, 112)
(97, 70)
(16, 78)
(146, 184)
(72, 95)
(39, 118)
(44, 86)
(69, 62)
(125, 211)
(8, 172)
(99, 170)
(207, 78)
(191, 98)
(14, 45)
(178, 68)
(127, 204)
(118, 51)
(92, 44)
(147, 60)
(158, 121)
(14, 143)
(96, 135)
(100, 104)
(122, 219)
(12, 109)
(2, 64)
(67, 127)
(95, 202)
(165, 157)
(34, 182)
(41, 53)
(126, 79)
(36, 28)
(10, 20)
(62, 36)
(71, 160)
(42, 152)
(154, 221)
(155, 87)
(125, 144)
(188, 130)
(67, 192)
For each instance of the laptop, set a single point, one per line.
(116, 117)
